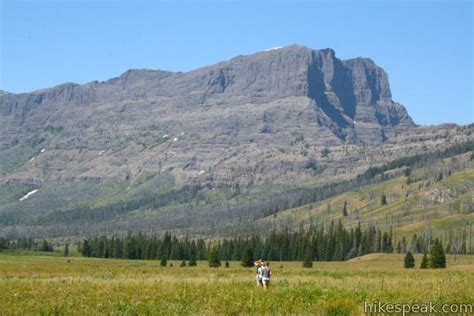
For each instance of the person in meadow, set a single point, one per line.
(266, 274)
(258, 276)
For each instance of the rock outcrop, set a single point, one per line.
(351, 97)
(262, 117)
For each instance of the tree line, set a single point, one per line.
(460, 243)
(418, 161)
(331, 243)
(26, 244)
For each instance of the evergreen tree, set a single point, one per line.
(409, 260)
(399, 247)
(201, 251)
(438, 258)
(163, 261)
(387, 242)
(192, 260)
(213, 258)
(407, 172)
(45, 246)
(107, 251)
(383, 199)
(344, 209)
(183, 263)
(66, 250)
(162, 251)
(86, 249)
(308, 258)
(247, 258)
(227, 264)
(3, 243)
(424, 262)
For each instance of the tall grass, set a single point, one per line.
(83, 286)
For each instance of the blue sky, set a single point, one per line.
(426, 47)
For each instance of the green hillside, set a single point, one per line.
(430, 194)
(437, 200)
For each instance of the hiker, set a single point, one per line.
(266, 274)
(258, 276)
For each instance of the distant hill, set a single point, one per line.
(434, 201)
(201, 152)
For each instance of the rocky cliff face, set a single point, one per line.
(267, 114)
(352, 97)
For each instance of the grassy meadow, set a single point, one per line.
(46, 285)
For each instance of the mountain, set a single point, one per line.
(153, 149)
(348, 96)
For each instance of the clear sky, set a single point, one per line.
(426, 47)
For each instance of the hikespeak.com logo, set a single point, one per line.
(378, 307)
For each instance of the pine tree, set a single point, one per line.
(86, 249)
(213, 258)
(247, 258)
(163, 262)
(344, 209)
(308, 258)
(66, 250)
(383, 199)
(192, 260)
(183, 263)
(438, 258)
(3, 243)
(407, 172)
(44, 246)
(227, 264)
(409, 260)
(424, 262)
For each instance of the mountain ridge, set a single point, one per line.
(268, 123)
(347, 91)
(153, 70)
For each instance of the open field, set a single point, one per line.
(38, 284)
